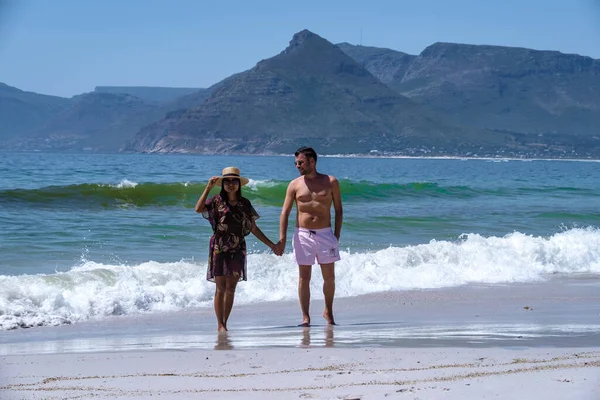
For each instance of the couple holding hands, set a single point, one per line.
(232, 218)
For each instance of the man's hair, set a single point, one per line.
(307, 151)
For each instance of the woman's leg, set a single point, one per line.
(220, 302)
(230, 285)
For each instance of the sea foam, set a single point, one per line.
(92, 290)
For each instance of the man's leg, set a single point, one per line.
(304, 292)
(328, 272)
(219, 302)
(230, 285)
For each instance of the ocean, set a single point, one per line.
(101, 237)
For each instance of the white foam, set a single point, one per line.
(125, 183)
(254, 184)
(92, 290)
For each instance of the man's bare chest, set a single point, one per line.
(320, 195)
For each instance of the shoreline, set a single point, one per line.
(366, 156)
(556, 313)
(516, 341)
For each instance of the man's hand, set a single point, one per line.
(279, 248)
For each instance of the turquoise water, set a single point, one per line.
(91, 235)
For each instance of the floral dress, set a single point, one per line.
(227, 248)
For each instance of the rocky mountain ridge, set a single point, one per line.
(451, 99)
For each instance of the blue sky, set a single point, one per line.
(67, 47)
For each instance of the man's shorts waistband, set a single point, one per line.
(313, 231)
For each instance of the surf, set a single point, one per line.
(91, 290)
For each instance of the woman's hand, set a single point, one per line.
(278, 248)
(200, 206)
(211, 182)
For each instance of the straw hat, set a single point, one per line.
(232, 172)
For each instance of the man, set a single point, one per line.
(313, 193)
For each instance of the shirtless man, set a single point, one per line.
(313, 193)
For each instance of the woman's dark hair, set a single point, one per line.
(308, 152)
(238, 194)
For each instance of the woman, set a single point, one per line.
(232, 217)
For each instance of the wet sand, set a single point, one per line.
(519, 341)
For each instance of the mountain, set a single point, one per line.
(22, 111)
(148, 93)
(96, 121)
(387, 65)
(99, 121)
(534, 96)
(313, 93)
(512, 89)
(189, 100)
(451, 99)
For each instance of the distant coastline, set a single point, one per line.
(322, 155)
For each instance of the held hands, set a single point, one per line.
(279, 248)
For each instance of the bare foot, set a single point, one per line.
(305, 322)
(222, 328)
(328, 318)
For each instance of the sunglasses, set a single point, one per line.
(234, 181)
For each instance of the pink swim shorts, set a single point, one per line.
(319, 243)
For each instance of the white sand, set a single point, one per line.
(367, 373)
(520, 341)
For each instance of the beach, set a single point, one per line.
(527, 341)
(459, 279)
(370, 373)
